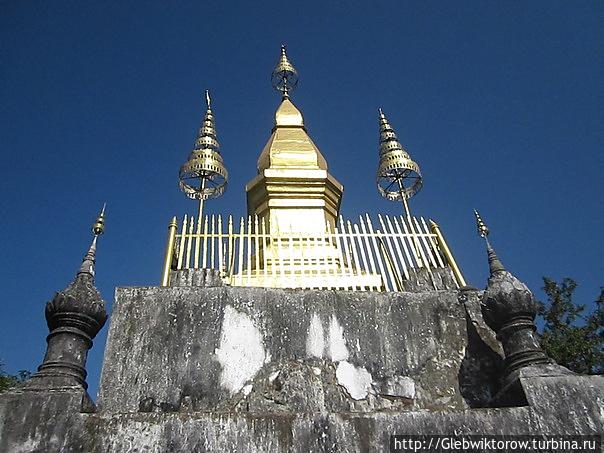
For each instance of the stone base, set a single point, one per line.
(269, 370)
(51, 422)
(224, 349)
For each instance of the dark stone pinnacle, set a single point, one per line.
(74, 317)
(509, 308)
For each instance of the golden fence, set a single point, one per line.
(354, 256)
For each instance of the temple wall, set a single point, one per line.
(254, 349)
(261, 370)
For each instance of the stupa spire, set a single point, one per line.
(204, 175)
(74, 316)
(398, 176)
(483, 231)
(284, 77)
(509, 308)
(98, 228)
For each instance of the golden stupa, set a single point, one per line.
(293, 235)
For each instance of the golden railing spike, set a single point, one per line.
(447, 252)
(172, 228)
(396, 240)
(212, 243)
(197, 241)
(390, 256)
(349, 255)
(189, 242)
(264, 249)
(181, 243)
(231, 258)
(362, 252)
(241, 245)
(422, 241)
(433, 246)
(291, 261)
(378, 255)
(220, 245)
(372, 266)
(332, 264)
(256, 244)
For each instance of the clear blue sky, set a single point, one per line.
(501, 104)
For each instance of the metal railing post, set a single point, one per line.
(165, 276)
(445, 248)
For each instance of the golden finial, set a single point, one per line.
(98, 227)
(284, 77)
(204, 175)
(398, 176)
(483, 230)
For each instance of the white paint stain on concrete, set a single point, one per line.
(315, 341)
(274, 375)
(337, 343)
(241, 352)
(402, 386)
(356, 380)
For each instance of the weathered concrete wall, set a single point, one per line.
(252, 349)
(39, 421)
(234, 369)
(52, 423)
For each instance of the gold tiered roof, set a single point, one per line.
(289, 145)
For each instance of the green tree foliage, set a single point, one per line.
(571, 337)
(8, 381)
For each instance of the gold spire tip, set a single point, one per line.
(284, 77)
(208, 100)
(481, 227)
(98, 227)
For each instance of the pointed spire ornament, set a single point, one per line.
(509, 308)
(284, 77)
(74, 317)
(483, 231)
(98, 228)
(204, 175)
(398, 176)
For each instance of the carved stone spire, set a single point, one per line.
(509, 308)
(74, 317)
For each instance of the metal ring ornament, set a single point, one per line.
(394, 167)
(206, 166)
